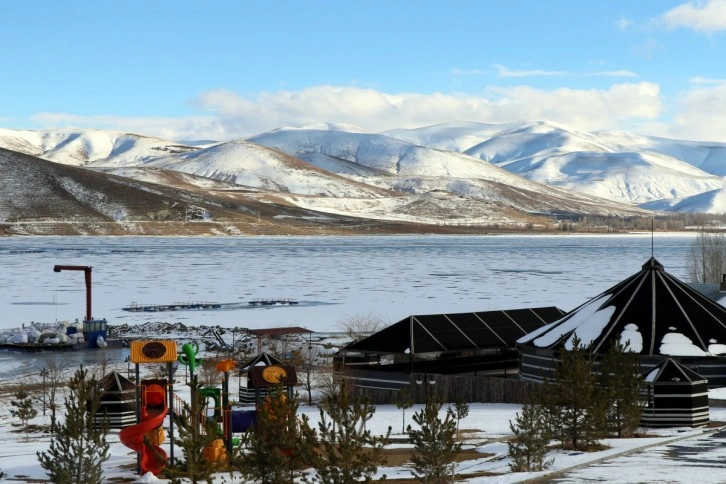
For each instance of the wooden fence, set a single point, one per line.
(469, 388)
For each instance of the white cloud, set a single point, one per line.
(504, 71)
(229, 115)
(186, 128)
(707, 17)
(700, 114)
(649, 49)
(378, 111)
(706, 81)
(467, 72)
(620, 73)
(623, 23)
(619, 106)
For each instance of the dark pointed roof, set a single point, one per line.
(670, 371)
(652, 310)
(116, 382)
(436, 333)
(263, 359)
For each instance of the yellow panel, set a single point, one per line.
(157, 351)
(274, 374)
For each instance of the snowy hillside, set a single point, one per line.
(92, 146)
(617, 166)
(408, 168)
(455, 136)
(243, 163)
(404, 166)
(713, 201)
(378, 154)
(531, 167)
(709, 157)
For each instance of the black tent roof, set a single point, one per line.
(436, 333)
(671, 371)
(653, 311)
(263, 359)
(116, 382)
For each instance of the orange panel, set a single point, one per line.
(158, 351)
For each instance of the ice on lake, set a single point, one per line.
(334, 279)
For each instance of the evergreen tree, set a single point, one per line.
(528, 448)
(622, 383)
(348, 452)
(574, 404)
(79, 447)
(435, 443)
(280, 445)
(195, 434)
(460, 410)
(403, 402)
(23, 409)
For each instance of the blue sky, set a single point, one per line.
(228, 69)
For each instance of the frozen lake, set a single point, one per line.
(335, 279)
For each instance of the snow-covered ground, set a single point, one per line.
(487, 429)
(370, 274)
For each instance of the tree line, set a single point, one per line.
(588, 398)
(282, 447)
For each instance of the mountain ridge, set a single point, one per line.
(463, 172)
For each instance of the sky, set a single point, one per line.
(223, 69)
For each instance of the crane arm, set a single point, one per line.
(87, 270)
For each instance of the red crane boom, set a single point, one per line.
(87, 270)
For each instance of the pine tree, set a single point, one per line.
(23, 409)
(622, 383)
(194, 436)
(435, 443)
(459, 410)
(79, 447)
(528, 448)
(280, 445)
(348, 452)
(573, 402)
(403, 402)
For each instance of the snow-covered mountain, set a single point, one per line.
(247, 164)
(713, 201)
(616, 166)
(409, 168)
(525, 168)
(89, 146)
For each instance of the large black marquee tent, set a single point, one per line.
(656, 314)
(462, 342)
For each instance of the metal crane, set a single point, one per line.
(87, 270)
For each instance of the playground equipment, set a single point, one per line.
(188, 356)
(257, 376)
(153, 410)
(152, 407)
(153, 399)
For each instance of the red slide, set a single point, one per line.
(153, 459)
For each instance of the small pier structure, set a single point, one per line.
(177, 306)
